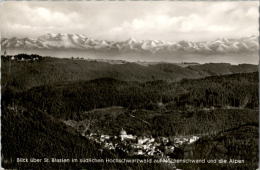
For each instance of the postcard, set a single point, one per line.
(134, 85)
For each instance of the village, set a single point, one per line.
(136, 145)
(141, 145)
(21, 57)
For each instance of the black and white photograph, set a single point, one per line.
(129, 85)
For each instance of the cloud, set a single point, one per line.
(216, 20)
(36, 20)
(163, 20)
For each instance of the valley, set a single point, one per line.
(107, 110)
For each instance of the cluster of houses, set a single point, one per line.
(22, 57)
(136, 145)
(141, 145)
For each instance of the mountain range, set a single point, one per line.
(82, 42)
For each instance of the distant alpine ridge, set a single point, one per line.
(82, 42)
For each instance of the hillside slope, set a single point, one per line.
(65, 99)
(35, 134)
(24, 75)
(236, 144)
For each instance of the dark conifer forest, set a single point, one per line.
(217, 100)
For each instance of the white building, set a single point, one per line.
(193, 139)
(124, 136)
(142, 140)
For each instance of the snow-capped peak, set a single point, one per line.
(78, 41)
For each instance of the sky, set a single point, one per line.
(117, 20)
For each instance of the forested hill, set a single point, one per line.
(63, 100)
(31, 133)
(24, 72)
(38, 94)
